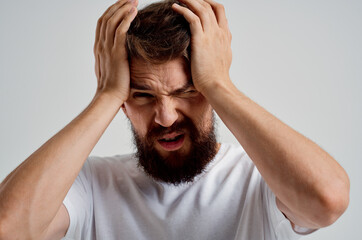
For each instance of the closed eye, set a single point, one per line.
(142, 95)
(188, 93)
(191, 91)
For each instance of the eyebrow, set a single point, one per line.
(138, 86)
(183, 88)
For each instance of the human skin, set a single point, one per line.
(31, 196)
(170, 98)
(311, 188)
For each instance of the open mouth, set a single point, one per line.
(172, 142)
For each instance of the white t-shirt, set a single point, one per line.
(113, 199)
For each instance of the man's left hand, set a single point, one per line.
(210, 42)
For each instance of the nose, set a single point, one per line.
(166, 113)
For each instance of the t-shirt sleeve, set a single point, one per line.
(281, 225)
(79, 205)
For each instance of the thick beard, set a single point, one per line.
(178, 167)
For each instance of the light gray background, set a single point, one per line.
(301, 60)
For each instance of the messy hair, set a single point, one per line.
(159, 34)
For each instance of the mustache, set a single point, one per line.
(158, 131)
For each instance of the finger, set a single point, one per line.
(191, 18)
(99, 22)
(97, 68)
(203, 10)
(98, 29)
(107, 14)
(115, 20)
(219, 11)
(120, 34)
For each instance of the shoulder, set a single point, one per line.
(232, 155)
(110, 162)
(232, 164)
(232, 150)
(105, 169)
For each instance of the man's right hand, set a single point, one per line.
(111, 59)
(46, 176)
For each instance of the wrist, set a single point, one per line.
(108, 97)
(215, 88)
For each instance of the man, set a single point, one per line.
(169, 71)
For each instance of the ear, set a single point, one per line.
(124, 110)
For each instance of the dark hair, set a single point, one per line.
(159, 34)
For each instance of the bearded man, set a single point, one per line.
(167, 68)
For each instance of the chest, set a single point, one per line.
(209, 210)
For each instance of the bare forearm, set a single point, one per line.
(303, 176)
(44, 179)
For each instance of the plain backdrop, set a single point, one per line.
(301, 60)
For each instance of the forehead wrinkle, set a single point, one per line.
(149, 84)
(138, 86)
(164, 78)
(144, 80)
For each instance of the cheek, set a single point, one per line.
(139, 116)
(197, 109)
(201, 105)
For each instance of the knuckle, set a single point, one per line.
(122, 30)
(194, 20)
(107, 29)
(100, 22)
(100, 46)
(107, 24)
(96, 48)
(208, 8)
(204, 14)
(220, 7)
(111, 21)
(101, 50)
(120, 39)
(205, 4)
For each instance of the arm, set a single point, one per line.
(312, 189)
(45, 177)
